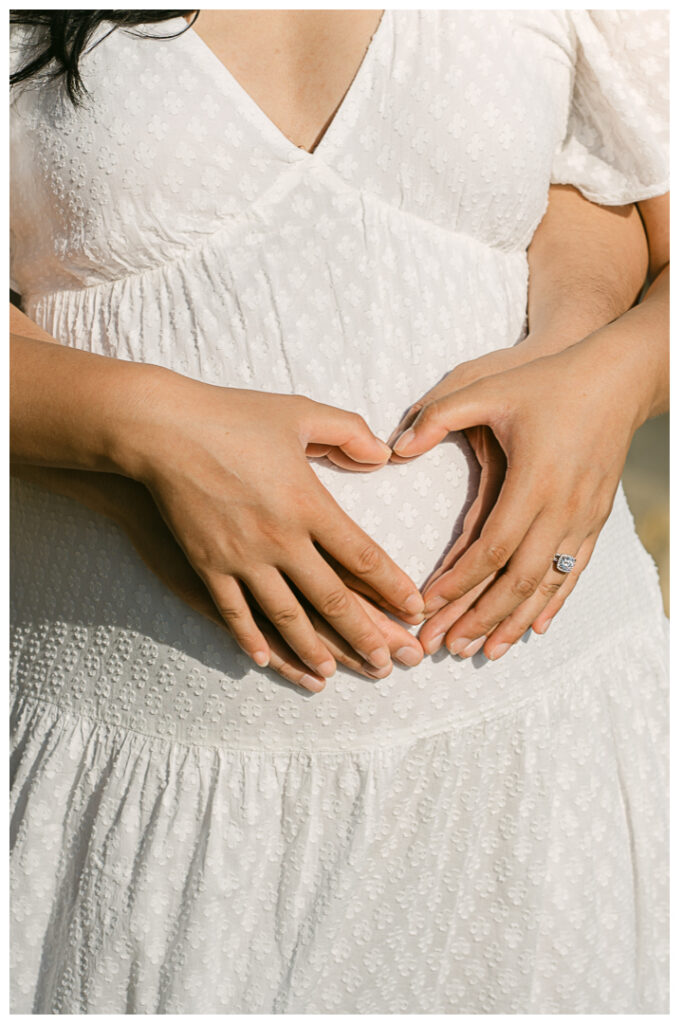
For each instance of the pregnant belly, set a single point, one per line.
(414, 510)
(95, 630)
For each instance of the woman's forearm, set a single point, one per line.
(73, 409)
(587, 266)
(636, 347)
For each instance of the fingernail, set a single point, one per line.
(327, 668)
(385, 447)
(404, 441)
(414, 604)
(311, 683)
(379, 657)
(378, 673)
(472, 648)
(261, 658)
(460, 645)
(544, 627)
(434, 644)
(409, 656)
(498, 651)
(435, 604)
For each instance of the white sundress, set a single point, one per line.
(189, 832)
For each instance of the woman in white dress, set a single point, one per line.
(243, 318)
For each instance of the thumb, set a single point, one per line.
(468, 407)
(347, 431)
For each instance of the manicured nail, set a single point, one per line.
(473, 647)
(379, 657)
(261, 658)
(458, 646)
(327, 668)
(499, 651)
(378, 673)
(404, 441)
(414, 604)
(435, 604)
(434, 644)
(409, 656)
(544, 627)
(385, 447)
(311, 683)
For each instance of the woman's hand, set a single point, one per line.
(587, 264)
(229, 473)
(492, 462)
(558, 428)
(133, 509)
(139, 517)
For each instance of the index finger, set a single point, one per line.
(339, 535)
(501, 535)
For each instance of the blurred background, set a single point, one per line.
(646, 483)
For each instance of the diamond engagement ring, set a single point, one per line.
(564, 563)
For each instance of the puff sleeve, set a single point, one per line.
(616, 146)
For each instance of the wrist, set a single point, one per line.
(129, 430)
(551, 339)
(619, 361)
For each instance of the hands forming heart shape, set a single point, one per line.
(301, 587)
(237, 524)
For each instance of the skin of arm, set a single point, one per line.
(515, 416)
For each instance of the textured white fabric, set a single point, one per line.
(191, 834)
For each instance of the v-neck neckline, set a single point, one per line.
(258, 114)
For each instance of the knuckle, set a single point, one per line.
(549, 587)
(284, 616)
(367, 640)
(270, 529)
(429, 414)
(524, 586)
(368, 559)
(497, 554)
(334, 604)
(232, 615)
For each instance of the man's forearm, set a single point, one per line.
(637, 347)
(587, 266)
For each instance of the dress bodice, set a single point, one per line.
(458, 118)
